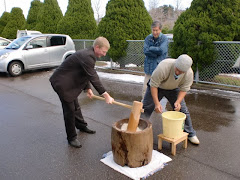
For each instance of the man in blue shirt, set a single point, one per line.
(155, 50)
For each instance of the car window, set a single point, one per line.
(39, 42)
(57, 40)
(3, 42)
(23, 34)
(17, 43)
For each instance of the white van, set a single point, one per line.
(26, 32)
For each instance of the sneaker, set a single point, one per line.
(75, 143)
(194, 140)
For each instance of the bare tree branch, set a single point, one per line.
(153, 4)
(97, 7)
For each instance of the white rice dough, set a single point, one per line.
(125, 125)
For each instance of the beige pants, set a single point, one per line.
(146, 79)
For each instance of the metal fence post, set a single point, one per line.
(111, 63)
(197, 75)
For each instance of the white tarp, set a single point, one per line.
(158, 161)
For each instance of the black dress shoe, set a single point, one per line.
(75, 143)
(86, 130)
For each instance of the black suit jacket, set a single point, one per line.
(75, 74)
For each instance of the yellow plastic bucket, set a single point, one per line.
(173, 124)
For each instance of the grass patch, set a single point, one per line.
(225, 79)
(137, 68)
(100, 63)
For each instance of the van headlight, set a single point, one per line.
(4, 56)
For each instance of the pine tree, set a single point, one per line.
(33, 14)
(3, 21)
(124, 20)
(48, 17)
(78, 21)
(16, 21)
(204, 22)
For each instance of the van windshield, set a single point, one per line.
(17, 43)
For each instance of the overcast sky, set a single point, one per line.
(25, 5)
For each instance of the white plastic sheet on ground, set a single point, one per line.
(158, 161)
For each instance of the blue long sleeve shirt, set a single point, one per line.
(155, 51)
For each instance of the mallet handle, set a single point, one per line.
(114, 102)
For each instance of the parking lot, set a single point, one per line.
(33, 142)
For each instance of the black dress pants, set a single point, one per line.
(73, 118)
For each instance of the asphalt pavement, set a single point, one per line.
(33, 142)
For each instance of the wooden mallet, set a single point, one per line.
(136, 110)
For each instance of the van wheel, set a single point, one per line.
(15, 68)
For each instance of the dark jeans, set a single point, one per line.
(73, 118)
(171, 95)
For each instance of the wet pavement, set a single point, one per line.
(33, 142)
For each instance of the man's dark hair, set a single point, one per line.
(156, 24)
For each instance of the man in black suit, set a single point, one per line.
(72, 77)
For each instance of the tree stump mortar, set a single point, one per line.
(133, 149)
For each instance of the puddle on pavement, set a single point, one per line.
(209, 113)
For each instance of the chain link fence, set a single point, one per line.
(225, 70)
(86, 43)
